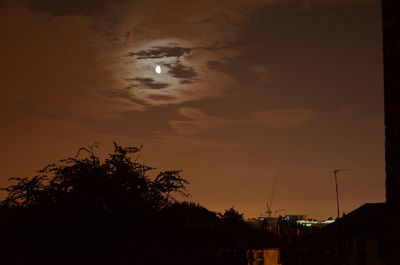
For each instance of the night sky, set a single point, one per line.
(247, 88)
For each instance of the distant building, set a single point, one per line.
(314, 223)
(271, 224)
(254, 222)
(294, 217)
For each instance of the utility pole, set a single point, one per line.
(340, 234)
(335, 171)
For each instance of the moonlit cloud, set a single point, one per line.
(185, 74)
(183, 38)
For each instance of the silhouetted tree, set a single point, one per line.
(190, 214)
(87, 182)
(231, 217)
(84, 209)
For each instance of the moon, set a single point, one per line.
(158, 69)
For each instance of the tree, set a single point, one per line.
(231, 217)
(84, 181)
(190, 214)
(83, 210)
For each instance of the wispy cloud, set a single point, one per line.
(313, 3)
(126, 39)
(56, 65)
(199, 121)
(183, 39)
(282, 118)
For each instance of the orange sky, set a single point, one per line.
(247, 89)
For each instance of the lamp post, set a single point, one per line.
(335, 171)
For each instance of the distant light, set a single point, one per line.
(314, 223)
(158, 69)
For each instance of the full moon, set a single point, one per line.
(158, 69)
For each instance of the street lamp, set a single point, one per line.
(335, 171)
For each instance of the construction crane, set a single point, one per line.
(278, 211)
(269, 205)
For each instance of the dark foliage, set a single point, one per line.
(231, 217)
(84, 182)
(87, 211)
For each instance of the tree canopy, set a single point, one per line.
(85, 181)
(232, 217)
(85, 210)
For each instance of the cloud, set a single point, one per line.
(147, 83)
(96, 59)
(195, 38)
(199, 23)
(183, 38)
(160, 52)
(185, 74)
(84, 65)
(282, 118)
(57, 65)
(187, 38)
(199, 121)
(72, 7)
(314, 3)
(261, 73)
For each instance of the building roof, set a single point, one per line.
(365, 221)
